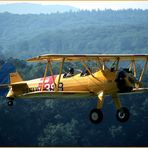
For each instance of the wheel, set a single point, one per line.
(10, 103)
(96, 116)
(123, 114)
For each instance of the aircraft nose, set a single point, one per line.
(121, 81)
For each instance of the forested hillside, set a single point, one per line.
(123, 31)
(66, 122)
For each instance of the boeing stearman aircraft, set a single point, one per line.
(105, 80)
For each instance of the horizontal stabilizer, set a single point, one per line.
(23, 87)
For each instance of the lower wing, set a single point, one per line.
(56, 94)
(137, 90)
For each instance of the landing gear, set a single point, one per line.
(123, 114)
(10, 103)
(96, 116)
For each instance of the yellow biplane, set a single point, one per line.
(105, 80)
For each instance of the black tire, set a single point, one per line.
(123, 114)
(96, 116)
(10, 103)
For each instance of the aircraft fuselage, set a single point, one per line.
(101, 80)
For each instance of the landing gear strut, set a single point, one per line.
(122, 113)
(96, 115)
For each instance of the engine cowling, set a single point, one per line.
(125, 80)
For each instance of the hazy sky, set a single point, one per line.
(94, 4)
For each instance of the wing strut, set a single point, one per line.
(117, 64)
(130, 67)
(51, 71)
(135, 72)
(87, 68)
(100, 64)
(45, 73)
(61, 68)
(142, 73)
(84, 64)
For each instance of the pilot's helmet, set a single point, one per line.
(71, 70)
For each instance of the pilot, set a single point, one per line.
(112, 69)
(85, 73)
(70, 73)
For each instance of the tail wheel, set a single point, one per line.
(123, 114)
(10, 103)
(96, 116)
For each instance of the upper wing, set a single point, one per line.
(78, 57)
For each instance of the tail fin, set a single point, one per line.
(15, 77)
(5, 70)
